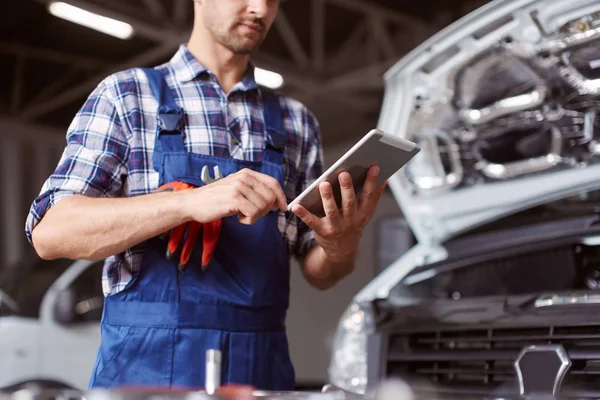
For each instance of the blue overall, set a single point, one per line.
(157, 330)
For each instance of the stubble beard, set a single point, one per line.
(234, 40)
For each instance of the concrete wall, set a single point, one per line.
(314, 314)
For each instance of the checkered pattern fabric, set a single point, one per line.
(110, 144)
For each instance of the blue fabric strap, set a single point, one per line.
(275, 135)
(170, 120)
(169, 114)
(168, 110)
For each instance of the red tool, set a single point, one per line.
(191, 230)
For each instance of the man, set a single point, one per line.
(143, 158)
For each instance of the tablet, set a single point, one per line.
(388, 152)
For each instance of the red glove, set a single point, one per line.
(211, 231)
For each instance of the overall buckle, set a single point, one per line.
(170, 119)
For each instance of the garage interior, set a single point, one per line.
(331, 55)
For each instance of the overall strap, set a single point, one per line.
(276, 137)
(169, 114)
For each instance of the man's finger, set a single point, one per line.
(367, 211)
(369, 188)
(248, 213)
(329, 204)
(248, 210)
(348, 195)
(381, 188)
(379, 192)
(311, 220)
(266, 192)
(273, 184)
(277, 189)
(253, 190)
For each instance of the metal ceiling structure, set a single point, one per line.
(331, 53)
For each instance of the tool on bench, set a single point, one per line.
(212, 376)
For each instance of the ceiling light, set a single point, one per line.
(94, 21)
(268, 79)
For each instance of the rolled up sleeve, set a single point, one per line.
(94, 160)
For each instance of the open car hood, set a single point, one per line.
(503, 104)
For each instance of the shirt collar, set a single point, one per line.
(248, 81)
(187, 68)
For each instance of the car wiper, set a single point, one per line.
(559, 300)
(551, 300)
(521, 307)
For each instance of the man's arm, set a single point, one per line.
(322, 272)
(81, 212)
(80, 227)
(333, 257)
(338, 234)
(90, 171)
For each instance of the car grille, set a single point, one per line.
(480, 362)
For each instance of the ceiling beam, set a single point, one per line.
(156, 8)
(346, 55)
(143, 29)
(371, 50)
(52, 88)
(172, 40)
(381, 36)
(368, 8)
(368, 77)
(283, 26)
(318, 34)
(180, 11)
(52, 56)
(338, 128)
(25, 132)
(83, 89)
(298, 76)
(17, 89)
(301, 79)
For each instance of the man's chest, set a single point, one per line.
(211, 127)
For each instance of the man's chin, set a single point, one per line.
(243, 48)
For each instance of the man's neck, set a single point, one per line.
(228, 67)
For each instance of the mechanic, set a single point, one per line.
(192, 148)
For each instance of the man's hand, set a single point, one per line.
(81, 227)
(248, 194)
(339, 232)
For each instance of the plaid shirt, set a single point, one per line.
(110, 145)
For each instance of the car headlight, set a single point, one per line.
(348, 365)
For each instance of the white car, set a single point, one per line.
(49, 336)
(499, 296)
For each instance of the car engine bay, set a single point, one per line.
(515, 109)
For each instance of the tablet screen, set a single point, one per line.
(376, 148)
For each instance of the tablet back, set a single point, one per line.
(376, 148)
